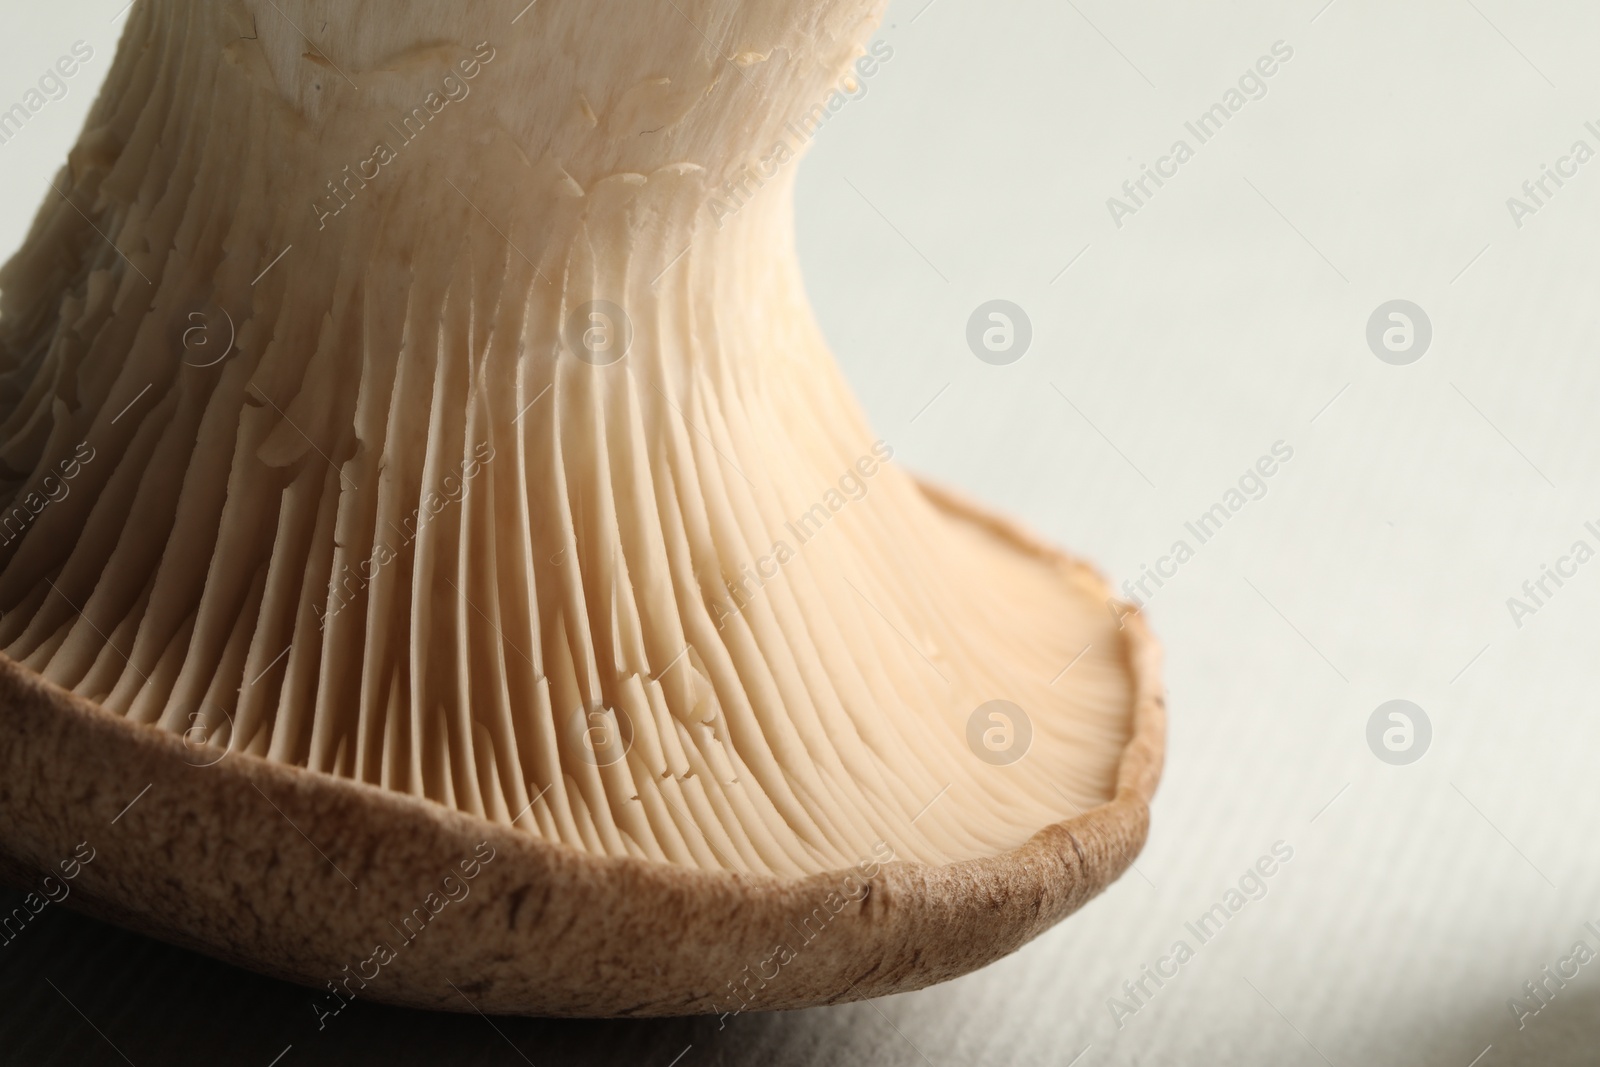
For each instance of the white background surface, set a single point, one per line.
(1224, 316)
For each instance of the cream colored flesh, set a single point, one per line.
(554, 645)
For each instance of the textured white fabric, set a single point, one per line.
(1223, 316)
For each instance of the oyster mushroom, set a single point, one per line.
(431, 503)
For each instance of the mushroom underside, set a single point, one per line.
(497, 490)
(321, 881)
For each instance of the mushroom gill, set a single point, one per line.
(433, 403)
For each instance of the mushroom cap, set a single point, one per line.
(257, 863)
(500, 614)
